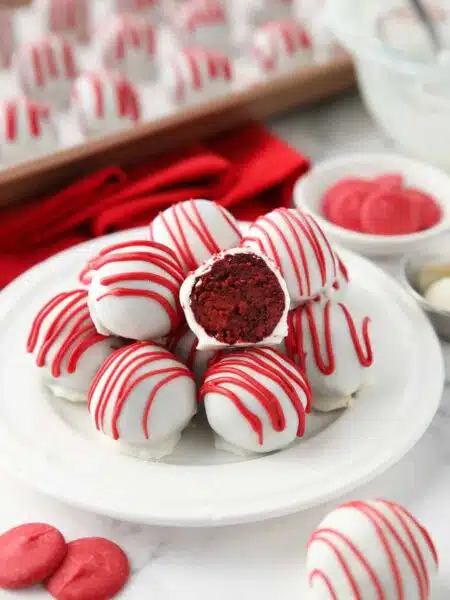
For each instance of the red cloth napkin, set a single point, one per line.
(250, 171)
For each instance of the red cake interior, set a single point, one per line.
(238, 300)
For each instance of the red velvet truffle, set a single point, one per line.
(237, 298)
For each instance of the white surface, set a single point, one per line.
(261, 561)
(310, 189)
(408, 95)
(200, 486)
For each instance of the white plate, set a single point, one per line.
(52, 446)
(309, 190)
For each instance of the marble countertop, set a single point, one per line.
(260, 561)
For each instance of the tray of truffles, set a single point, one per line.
(204, 371)
(84, 81)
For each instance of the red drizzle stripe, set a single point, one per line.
(50, 60)
(194, 70)
(295, 341)
(304, 232)
(118, 378)
(155, 256)
(232, 370)
(98, 97)
(322, 535)
(69, 61)
(378, 520)
(70, 327)
(187, 218)
(37, 66)
(10, 121)
(317, 574)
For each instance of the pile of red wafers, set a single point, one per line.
(87, 568)
(380, 206)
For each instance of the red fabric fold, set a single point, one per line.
(250, 171)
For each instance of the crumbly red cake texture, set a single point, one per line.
(239, 300)
(29, 554)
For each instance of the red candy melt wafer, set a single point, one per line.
(345, 209)
(93, 568)
(389, 213)
(349, 185)
(380, 206)
(430, 212)
(29, 554)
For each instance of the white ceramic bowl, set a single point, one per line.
(309, 191)
(404, 87)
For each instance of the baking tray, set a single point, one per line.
(50, 173)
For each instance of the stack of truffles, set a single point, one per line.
(259, 329)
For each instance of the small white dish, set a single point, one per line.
(51, 445)
(310, 189)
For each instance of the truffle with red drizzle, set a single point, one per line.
(236, 298)
(27, 130)
(133, 292)
(256, 400)
(46, 70)
(66, 345)
(142, 398)
(195, 230)
(105, 102)
(299, 248)
(69, 18)
(202, 23)
(331, 342)
(370, 550)
(196, 74)
(128, 45)
(281, 46)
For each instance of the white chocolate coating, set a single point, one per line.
(331, 341)
(26, 131)
(134, 290)
(61, 332)
(372, 550)
(143, 398)
(184, 345)
(69, 18)
(105, 102)
(206, 342)
(195, 230)
(340, 286)
(438, 294)
(299, 248)
(281, 46)
(203, 23)
(46, 70)
(193, 75)
(235, 391)
(128, 45)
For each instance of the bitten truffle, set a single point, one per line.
(237, 298)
